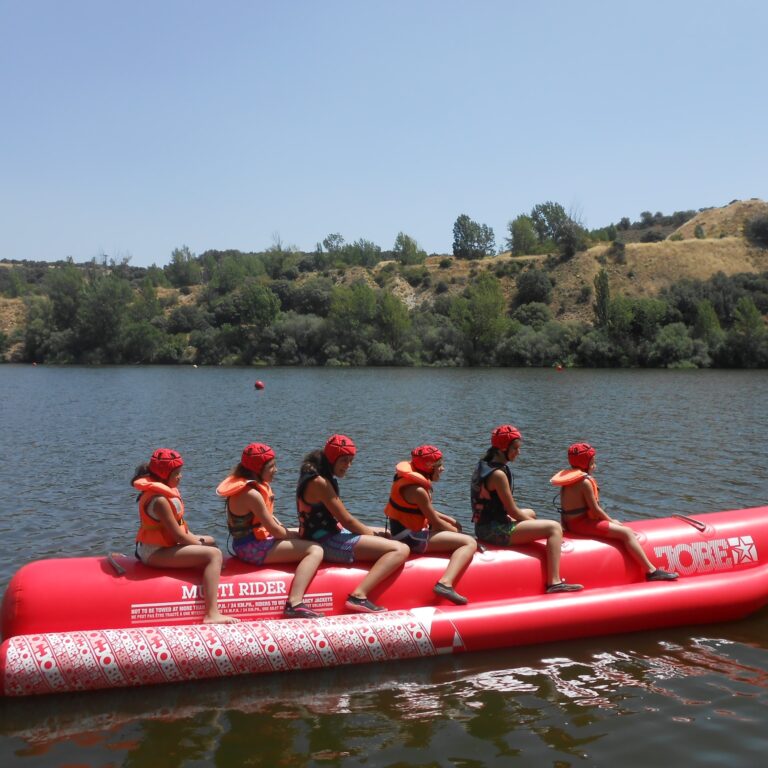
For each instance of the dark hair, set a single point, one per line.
(491, 453)
(143, 471)
(317, 461)
(239, 470)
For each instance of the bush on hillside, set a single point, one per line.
(533, 285)
(756, 231)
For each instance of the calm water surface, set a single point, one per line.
(668, 442)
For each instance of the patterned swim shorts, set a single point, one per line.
(495, 533)
(249, 549)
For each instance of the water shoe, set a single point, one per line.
(363, 605)
(563, 587)
(449, 593)
(300, 611)
(660, 575)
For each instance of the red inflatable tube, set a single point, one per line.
(80, 624)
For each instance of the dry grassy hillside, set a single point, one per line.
(11, 314)
(649, 267)
(727, 221)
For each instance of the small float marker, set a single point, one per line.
(258, 385)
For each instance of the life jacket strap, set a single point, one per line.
(401, 508)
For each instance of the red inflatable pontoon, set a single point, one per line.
(87, 623)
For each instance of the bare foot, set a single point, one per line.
(220, 618)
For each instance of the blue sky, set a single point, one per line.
(130, 128)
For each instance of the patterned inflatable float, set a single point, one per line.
(88, 623)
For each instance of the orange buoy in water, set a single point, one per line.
(258, 385)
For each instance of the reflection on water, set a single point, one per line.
(669, 442)
(485, 706)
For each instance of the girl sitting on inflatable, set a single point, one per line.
(497, 518)
(164, 539)
(414, 521)
(257, 536)
(324, 519)
(581, 512)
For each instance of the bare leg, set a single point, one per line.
(627, 537)
(191, 555)
(461, 547)
(388, 555)
(308, 555)
(530, 530)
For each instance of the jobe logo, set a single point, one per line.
(707, 556)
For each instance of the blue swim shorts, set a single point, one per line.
(417, 541)
(338, 547)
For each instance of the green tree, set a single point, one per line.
(522, 238)
(184, 268)
(672, 346)
(64, 286)
(748, 338)
(548, 219)
(480, 315)
(257, 304)
(472, 240)
(602, 299)
(393, 320)
(543, 346)
(313, 296)
(38, 328)
(571, 238)
(596, 349)
(407, 250)
(707, 325)
(145, 304)
(352, 316)
(300, 339)
(227, 275)
(140, 341)
(333, 243)
(13, 282)
(99, 320)
(362, 252)
(187, 318)
(5, 342)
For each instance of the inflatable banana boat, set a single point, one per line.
(88, 623)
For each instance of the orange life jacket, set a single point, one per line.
(397, 507)
(241, 525)
(570, 477)
(152, 531)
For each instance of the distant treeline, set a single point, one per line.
(288, 307)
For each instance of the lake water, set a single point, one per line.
(668, 442)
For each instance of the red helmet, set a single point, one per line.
(579, 455)
(164, 461)
(424, 458)
(502, 436)
(255, 456)
(337, 446)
